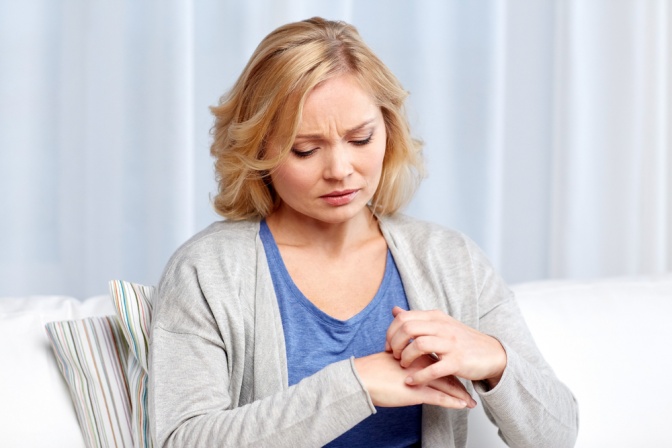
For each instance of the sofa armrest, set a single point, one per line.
(36, 407)
(609, 341)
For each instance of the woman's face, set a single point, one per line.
(336, 160)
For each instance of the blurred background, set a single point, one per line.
(547, 125)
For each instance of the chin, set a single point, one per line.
(341, 216)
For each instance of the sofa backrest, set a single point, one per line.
(608, 340)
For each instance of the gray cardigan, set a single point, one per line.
(218, 370)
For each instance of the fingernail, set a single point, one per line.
(463, 403)
(409, 380)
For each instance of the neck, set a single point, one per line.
(290, 229)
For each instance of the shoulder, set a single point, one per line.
(222, 242)
(432, 248)
(232, 236)
(444, 263)
(205, 274)
(419, 235)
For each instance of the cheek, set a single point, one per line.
(375, 163)
(290, 180)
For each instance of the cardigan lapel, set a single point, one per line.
(270, 358)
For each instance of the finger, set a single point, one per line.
(395, 312)
(404, 316)
(401, 316)
(409, 331)
(439, 369)
(422, 345)
(454, 387)
(398, 320)
(430, 395)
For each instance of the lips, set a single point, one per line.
(340, 197)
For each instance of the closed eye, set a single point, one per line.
(303, 154)
(363, 142)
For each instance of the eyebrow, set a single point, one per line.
(347, 132)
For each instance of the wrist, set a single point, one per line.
(362, 367)
(490, 383)
(492, 380)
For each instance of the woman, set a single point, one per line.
(316, 313)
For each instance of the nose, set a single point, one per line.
(339, 164)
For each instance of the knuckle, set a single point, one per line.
(407, 327)
(403, 317)
(422, 345)
(434, 370)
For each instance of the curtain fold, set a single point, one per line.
(612, 146)
(547, 129)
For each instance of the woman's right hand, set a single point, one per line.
(384, 379)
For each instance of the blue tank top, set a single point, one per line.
(313, 340)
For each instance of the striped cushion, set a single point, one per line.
(133, 303)
(92, 356)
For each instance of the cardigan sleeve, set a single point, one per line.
(199, 390)
(530, 405)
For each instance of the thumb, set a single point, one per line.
(395, 312)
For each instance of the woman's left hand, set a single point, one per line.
(461, 350)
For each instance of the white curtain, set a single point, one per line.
(548, 128)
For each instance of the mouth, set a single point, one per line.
(340, 197)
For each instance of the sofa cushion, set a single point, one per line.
(92, 355)
(133, 304)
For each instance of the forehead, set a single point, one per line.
(342, 100)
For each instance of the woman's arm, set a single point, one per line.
(215, 376)
(530, 405)
(206, 374)
(518, 389)
(192, 404)
(523, 397)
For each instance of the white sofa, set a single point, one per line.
(610, 340)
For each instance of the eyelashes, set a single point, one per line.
(366, 141)
(303, 154)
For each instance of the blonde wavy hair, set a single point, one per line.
(266, 103)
